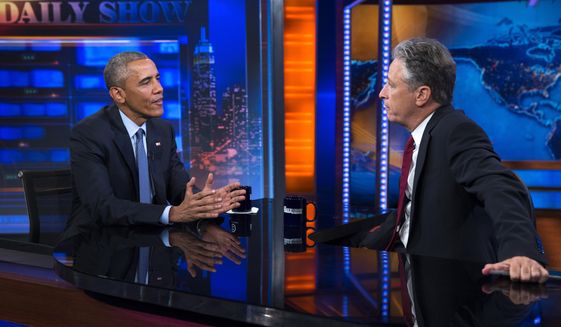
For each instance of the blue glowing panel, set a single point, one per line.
(60, 155)
(169, 77)
(36, 156)
(13, 224)
(19, 156)
(56, 109)
(168, 47)
(33, 109)
(12, 46)
(89, 82)
(9, 110)
(546, 178)
(10, 78)
(548, 200)
(33, 132)
(10, 156)
(51, 46)
(87, 108)
(98, 54)
(47, 78)
(172, 110)
(20, 79)
(10, 133)
(5, 78)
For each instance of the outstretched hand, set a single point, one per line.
(229, 196)
(208, 203)
(521, 269)
(204, 204)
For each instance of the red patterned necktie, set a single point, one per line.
(405, 166)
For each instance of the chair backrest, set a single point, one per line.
(48, 196)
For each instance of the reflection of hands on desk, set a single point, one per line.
(228, 244)
(518, 293)
(198, 253)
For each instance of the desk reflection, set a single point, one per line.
(443, 292)
(234, 274)
(177, 257)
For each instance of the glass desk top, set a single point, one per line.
(205, 270)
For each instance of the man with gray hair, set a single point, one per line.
(124, 161)
(456, 199)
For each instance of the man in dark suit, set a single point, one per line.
(458, 200)
(103, 157)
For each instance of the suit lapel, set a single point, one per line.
(123, 142)
(153, 145)
(423, 148)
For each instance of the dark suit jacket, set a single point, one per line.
(105, 177)
(465, 204)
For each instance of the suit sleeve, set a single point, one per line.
(92, 184)
(178, 176)
(477, 168)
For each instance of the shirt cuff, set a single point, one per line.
(164, 218)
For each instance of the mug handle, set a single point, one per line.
(315, 211)
(313, 229)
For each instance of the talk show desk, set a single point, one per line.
(325, 285)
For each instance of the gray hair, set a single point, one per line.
(428, 62)
(115, 72)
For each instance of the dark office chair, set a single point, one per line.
(48, 196)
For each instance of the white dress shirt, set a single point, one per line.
(417, 135)
(132, 128)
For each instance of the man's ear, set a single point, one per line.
(423, 95)
(117, 94)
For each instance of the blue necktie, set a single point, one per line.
(144, 191)
(143, 263)
(145, 195)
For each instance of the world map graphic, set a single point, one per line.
(510, 85)
(520, 71)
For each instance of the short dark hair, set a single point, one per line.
(428, 62)
(115, 72)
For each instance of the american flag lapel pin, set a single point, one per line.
(158, 143)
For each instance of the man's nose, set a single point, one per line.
(158, 88)
(382, 94)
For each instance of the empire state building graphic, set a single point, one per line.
(224, 135)
(203, 109)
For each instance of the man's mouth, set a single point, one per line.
(158, 101)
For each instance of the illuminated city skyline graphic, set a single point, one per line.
(222, 135)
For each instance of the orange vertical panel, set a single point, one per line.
(300, 111)
(299, 93)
